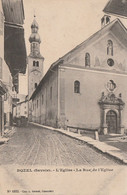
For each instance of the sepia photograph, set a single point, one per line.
(63, 97)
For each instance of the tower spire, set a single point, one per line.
(35, 39)
(34, 14)
(35, 59)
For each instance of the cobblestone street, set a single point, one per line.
(36, 146)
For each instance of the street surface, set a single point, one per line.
(38, 146)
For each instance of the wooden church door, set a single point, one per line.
(111, 120)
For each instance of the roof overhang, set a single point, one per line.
(15, 48)
(13, 11)
(120, 32)
(116, 7)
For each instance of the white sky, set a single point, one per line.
(63, 24)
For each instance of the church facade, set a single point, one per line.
(87, 86)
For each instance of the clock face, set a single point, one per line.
(110, 62)
(35, 72)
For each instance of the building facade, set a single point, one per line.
(22, 109)
(2, 87)
(87, 86)
(5, 81)
(12, 54)
(14, 50)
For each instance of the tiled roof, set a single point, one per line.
(117, 7)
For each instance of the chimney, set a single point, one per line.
(105, 20)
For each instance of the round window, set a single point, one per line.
(110, 62)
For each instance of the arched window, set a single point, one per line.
(107, 19)
(34, 63)
(37, 64)
(110, 48)
(87, 60)
(76, 87)
(35, 85)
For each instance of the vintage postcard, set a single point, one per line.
(63, 97)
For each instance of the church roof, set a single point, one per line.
(116, 7)
(116, 27)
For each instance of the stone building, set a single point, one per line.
(12, 55)
(5, 79)
(87, 87)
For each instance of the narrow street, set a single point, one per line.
(36, 146)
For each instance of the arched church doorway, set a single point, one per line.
(111, 121)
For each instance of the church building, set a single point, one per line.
(87, 87)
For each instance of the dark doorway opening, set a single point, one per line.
(111, 120)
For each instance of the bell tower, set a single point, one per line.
(35, 59)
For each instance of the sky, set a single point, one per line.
(63, 24)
